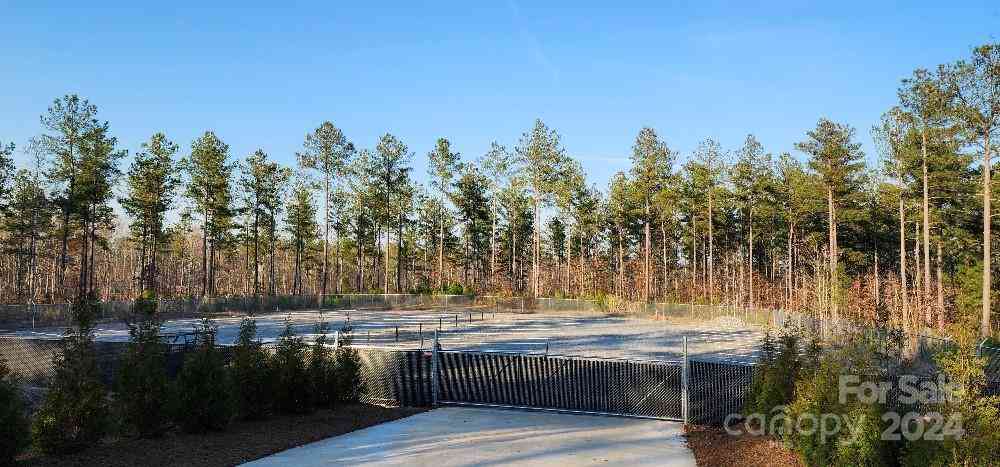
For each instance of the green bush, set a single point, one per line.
(251, 374)
(348, 374)
(291, 378)
(142, 386)
(979, 414)
(817, 401)
(322, 371)
(74, 413)
(14, 428)
(777, 371)
(453, 289)
(202, 395)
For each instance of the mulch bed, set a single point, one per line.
(714, 447)
(241, 442)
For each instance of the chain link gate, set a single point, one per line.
(693, 391)
(617, 387)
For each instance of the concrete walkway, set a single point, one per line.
(454, 436)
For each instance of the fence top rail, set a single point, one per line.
(410, 348)
(564, 356)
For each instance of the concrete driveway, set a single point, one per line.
(454, 436)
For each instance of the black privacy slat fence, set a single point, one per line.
(397, 377)
(653, 389)
(620, 387)
(716, 389)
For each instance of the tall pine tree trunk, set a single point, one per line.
(927, 220)
(645, 272)
(986, 329)
(940, 290)
(904, 294)
(834, 283)
(917, 277)
(326, 234)
(711, 251)
(441, 247)
(750, 262)
(204, 253)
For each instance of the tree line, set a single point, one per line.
(901, 240)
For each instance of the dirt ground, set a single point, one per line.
(241, 442)
(714, 447)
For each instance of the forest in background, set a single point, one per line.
(900, 242)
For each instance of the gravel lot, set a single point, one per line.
(562, 333)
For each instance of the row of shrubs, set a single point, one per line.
(212, 388)
(799, 380)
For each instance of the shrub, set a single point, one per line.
(776, 373)
(203, 401)
(14, 428)
(291, 380)
(251, 375)
(452, 289)
(979, 414)
(142, 385)
(817, 400)
(74, 413)
(348, 374)
(322, 371)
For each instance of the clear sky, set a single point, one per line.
(263, 76)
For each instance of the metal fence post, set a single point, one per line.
(684, 383)
(434, 371)
(336, 340)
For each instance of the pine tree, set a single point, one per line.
(799, 197)
(263, 183)
(497, 164)
(651, 166)
(69, 120)
(569, 186)
(390, 168)
(444, 164)
(541, 159)
(300, 222)
(619, 214)
(328, 152)
(27, 223)
(839, 162)
(975, 85)
(706, 172)
(96, 175)
(469, 196)
(152, 182)
(753, 190)
(890, 135)
(926, 99)
(209, 175)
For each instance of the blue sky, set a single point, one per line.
(263, 76)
